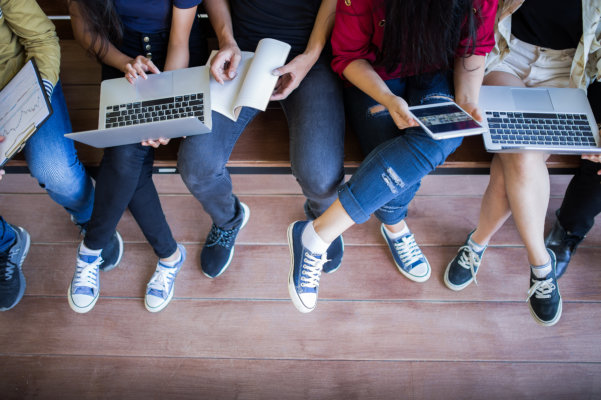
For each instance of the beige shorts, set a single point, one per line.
(537, 66)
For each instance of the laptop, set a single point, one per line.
(170, 104)
(554, 120)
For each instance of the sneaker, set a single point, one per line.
(544, 298)
(305, 270)
(335, 253)
(462, 270)
(84, 290)
(112, 252)
(563, 244)
(218, 250)
(408, 257)
(12, 280)
(161, 286)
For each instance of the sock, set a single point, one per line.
(540, 271)
(311, 240)
(172, 263)
(85, 251)
(396, 235)
(478, 248)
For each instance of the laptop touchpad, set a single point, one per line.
(156, 86)
(532, 99)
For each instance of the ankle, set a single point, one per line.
(312, 241)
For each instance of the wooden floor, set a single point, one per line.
(374, 334)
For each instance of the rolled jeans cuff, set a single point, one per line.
(351, 205)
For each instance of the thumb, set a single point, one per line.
(281, 71)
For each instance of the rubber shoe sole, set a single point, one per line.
(451, 285)
(546, 323)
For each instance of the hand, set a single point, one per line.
(472, 109)
(399, 111)
(224, 66)
(594, 158)
(291, 75)
(155, 142)
(139, 66)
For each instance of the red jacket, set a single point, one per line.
(359, 30)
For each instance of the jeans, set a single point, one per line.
(7, 235)
(582, 201)
(125, 174)
(315, 116)
(53, 161)
(390, 175)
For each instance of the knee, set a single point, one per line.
(60, 176)
(523, 166)
(199, 172)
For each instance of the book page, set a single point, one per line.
(23, 107)
(259, 81)
(223, 96)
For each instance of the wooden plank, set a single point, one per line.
(336, 330)
(54, 7)
(76, 66)
(261, 271)
(134, 378)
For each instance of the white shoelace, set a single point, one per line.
(408, 250)
(469, 261)
(86, 274)
(161, 279)
(541, 289)
(311, 270)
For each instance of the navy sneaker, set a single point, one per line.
(12, 280)
(335, 253)
(462, 269)
(112, 253)
(408, 257)
(305, 270)
(161, 286)
(544, 299)
(218, 250)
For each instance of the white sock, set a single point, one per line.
(312, 241)
(83, 250)
(475, 246)
(172, 263)
(396, 235)
(540, 271)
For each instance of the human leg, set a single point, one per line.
(201, 162)
(53, 161)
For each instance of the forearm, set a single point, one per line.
(468, 75)
(322, 28)
(178, 52)
(221, 20)
(361, 74)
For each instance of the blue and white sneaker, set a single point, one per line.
(12, 280)
(84, 290)
(335, 253)
(305, 270)
(408, 257)
(161, 286)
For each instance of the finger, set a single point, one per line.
(232, 69)
(131, 71)
(140, 70)
(153, 68)
(281, 71)
(164, 141)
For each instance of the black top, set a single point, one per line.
(288, 21)
(554, 24)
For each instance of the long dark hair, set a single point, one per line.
(421, 34)
(102, 23)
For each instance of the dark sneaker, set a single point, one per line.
(544, 298)
(112, 253)
(12, 280)
(408, 257)
(335, 253)
(462, 270)
(161, 286)
(305, 270)
(218, 250)
(84, 290)
(564, 245)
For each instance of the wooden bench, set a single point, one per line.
(262, 148)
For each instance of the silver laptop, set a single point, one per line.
(170, 104)
(554, 120)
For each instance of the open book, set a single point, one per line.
(254, 83)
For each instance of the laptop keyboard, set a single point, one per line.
(540, 129)
(155, 110)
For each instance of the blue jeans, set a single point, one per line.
(53, 161)
(315, 116)
(390, 175)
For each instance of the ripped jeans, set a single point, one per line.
(390, 175)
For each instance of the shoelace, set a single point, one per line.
(86, 274)
(221, 237)
(7, 268)
(311, 270)
(162, 278)
(469, 260)
(408, 250)
(541, 289)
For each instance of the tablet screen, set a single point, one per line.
(447, 117)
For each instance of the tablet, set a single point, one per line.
(446, 120)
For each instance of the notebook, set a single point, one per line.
(170, 104)
(554, 120)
